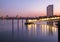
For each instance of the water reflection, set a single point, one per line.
(32, 33)
(12, 30)
(41, 29)
(18, 29)
(50, 23)
(22, 23)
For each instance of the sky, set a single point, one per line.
(27, 7)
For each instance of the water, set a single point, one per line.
(39, 32)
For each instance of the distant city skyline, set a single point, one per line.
(27, 7)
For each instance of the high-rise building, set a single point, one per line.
(49, 10)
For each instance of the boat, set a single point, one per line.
(27, 23)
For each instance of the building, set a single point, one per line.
(49, 10)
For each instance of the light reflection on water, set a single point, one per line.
(43, 32)
(42, 29)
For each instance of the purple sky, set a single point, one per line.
(27, 7)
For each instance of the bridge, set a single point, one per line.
(34, 19)
(45, 19)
